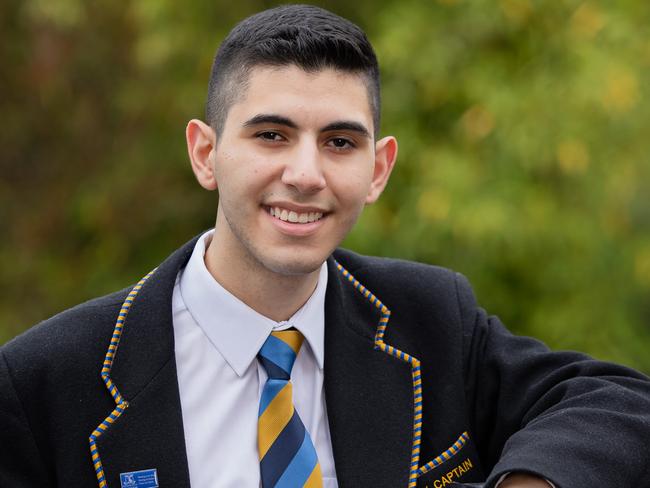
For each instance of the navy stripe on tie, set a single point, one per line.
(283, 450)
(273, 370)
(301, 466)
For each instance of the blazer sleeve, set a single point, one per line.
(562, 416)
(21, 463)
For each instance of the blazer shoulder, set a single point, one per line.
(353, 261)
(407, 276)
(66, 334)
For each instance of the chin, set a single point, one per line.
(292, 266)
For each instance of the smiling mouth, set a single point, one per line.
(295, 217)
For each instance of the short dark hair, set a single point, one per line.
(303, 35)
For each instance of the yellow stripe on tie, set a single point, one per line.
(290, 338)
(273, 420)
(315, 479)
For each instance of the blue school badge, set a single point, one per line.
(146, 478)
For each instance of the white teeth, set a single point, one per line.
(295, 217)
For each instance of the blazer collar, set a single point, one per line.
(369, 393)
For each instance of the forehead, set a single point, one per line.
(309, 97)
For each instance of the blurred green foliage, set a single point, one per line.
(523, 129)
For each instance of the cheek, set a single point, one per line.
(237, 170)
(352, 186)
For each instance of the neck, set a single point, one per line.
(274, 295)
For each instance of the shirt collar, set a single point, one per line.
(234, 328)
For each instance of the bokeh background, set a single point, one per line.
(524, 137)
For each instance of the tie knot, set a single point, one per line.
(279, 352)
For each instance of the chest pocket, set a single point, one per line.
(459, 462)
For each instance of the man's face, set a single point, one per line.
(294, 165)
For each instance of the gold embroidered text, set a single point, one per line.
(455, 473)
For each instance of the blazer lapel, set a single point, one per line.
(369, 393)
(148, 433)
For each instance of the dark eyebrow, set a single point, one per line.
(347, 125)
(270, 119)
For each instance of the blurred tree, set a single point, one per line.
(523, 159)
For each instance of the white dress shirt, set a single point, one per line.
(217, 338)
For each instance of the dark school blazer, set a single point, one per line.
(423, 389)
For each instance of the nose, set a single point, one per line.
(304, 170)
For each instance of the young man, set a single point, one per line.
(258, 355)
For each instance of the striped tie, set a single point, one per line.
(287, 456)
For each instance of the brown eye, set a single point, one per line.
(341, 143)
(270, 136)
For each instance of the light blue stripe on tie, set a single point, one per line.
(300, 467)
(271, 388)
(277, 351)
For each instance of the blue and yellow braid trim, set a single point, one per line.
(445, 456)
(120, 402)
(415, 370)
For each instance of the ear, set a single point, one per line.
(385, 156)
(201, 145)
